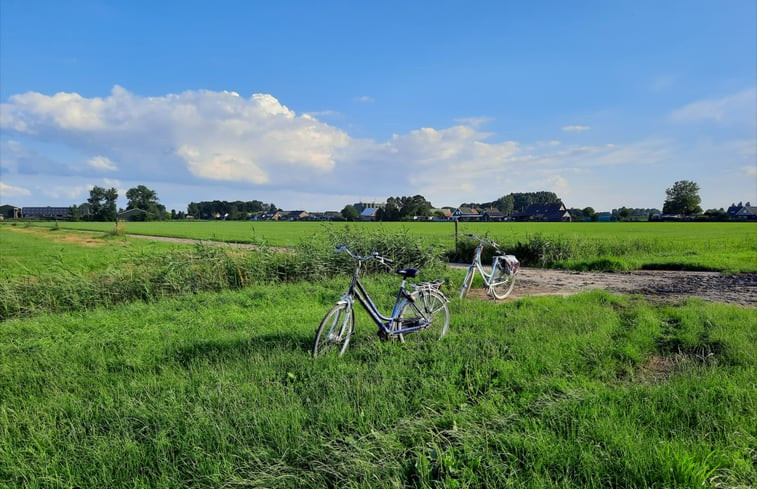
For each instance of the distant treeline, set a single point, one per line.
(517, 202)
(220, 209)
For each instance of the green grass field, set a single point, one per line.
(730, 247)
(127, 363)
(219, 390)
(37, 251)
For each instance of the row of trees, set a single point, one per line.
(681, 199)
(517, 202)
(221, 209)
(101, 205)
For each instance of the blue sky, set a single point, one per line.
(314, 105)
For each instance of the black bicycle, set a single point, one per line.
(418, 307)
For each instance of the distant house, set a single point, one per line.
(46, 212)
(369, 214)
(465, 214)
(332, 216)
(133, 215)
(294, 216)
(269, 216)
(493, 214)
(545, 213)
(10, 211)
(361, 206)
(747, 212)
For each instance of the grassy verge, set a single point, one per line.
(218, 390)
(150, 276)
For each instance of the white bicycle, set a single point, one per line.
(500, 281)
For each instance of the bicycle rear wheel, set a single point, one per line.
(428, 306)
(333, 334)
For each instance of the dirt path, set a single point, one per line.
(663, 285)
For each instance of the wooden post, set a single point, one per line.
(455, 235)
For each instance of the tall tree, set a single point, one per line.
(102, 203)
(350, 213)
(682, 198)
(141, 197)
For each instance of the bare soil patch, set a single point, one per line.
(62, 237)
(740, 288)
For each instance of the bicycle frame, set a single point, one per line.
(500, 280)
(357, 291)
(487, 277)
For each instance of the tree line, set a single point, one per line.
(682, 199)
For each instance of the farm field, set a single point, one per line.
(730, 247)
(38, 251)
(219, 390)
(162, 365)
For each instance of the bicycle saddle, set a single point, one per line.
(408, 272)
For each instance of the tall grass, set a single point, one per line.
(219, 390)
(153, 276)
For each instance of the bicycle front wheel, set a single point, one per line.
(333, 334)
(502, 286)
(467, 281)
(430, 308)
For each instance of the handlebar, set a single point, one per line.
(483, 240)
(373, 256)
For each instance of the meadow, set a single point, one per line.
(125, 363)
(726, 246)
(219, 390)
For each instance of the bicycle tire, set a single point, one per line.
(467, 281)
(433, 305)
(333, 334)
(502, 288)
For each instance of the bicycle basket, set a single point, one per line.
(506, 264)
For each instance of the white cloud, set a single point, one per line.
(576, 128)
(210, 135)
(364, 99)
(740, 106)
(12, 191)
(206, 145)
(750, 171)
(102, 163)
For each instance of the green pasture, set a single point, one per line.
(33, 251)
(219, 390)
(131, 363)
(730, 247)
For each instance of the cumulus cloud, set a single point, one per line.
(225, 146)
(576, 128)
(205, 134)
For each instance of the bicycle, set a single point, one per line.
(500, 281)
(422, 308)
